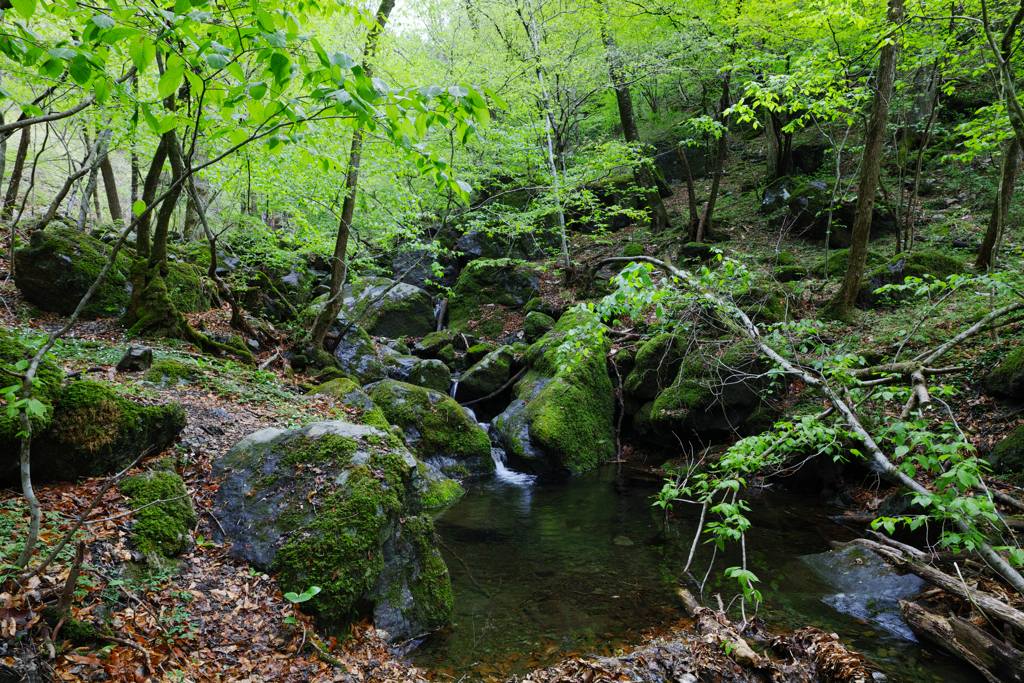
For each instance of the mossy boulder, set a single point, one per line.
(447, 355)
(714, 397)
(431, 374)
(839, 261)
(168, 371)
(351, 396)
(1006, 380)
(404, 311)
(562, 419)
(486, 376)
(438, 429)
(545, 307)
(185, 288)
(476, 352)
(433, 342)
(357, 356)
(337, 505)
(899, 268)
(96, 432)
(60, 264)
(656, 366)
(46, 391)
(534, 245)
(633, 249)
(1007, 457)
(536, 325)
(483, 285)
(790, 273)
(397, 365)
(162, 528)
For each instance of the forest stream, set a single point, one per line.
(541, 568)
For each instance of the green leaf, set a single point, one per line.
(103, 21)
(142, 52)
(342, 60)
(171, 80)
(258, 91)
(138, 207)
(62, 53)
(182, 6)
(217, 61)
(25, 8)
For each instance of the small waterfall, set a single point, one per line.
(454, 389)
(504, 474)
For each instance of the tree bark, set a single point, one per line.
(149, 189)
(1012, 158)
(102, 140)
(339, 261)
(841, 305)
(642, 175)
(704, 225)
(11, 198)
(110, 185)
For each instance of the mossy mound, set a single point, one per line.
(714, 397)
(656, 366)
(476, 352)
(404, 311)
(562, 419)
(633, 249)
(350, 525)
(486, 282)
(915, 264)
(169, 371)
(839, 261)
(185, 289)
(536, 325)
(433, 342)
(1007, 457)
(46, 391)
(1007, 379)
(431, 374)
(435, 426)
(486, 376)
(161, 528)
(350, 395)
(96, 432)
(60, 264)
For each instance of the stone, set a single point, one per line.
(162, 528)
(136, 359)
(802, 208)
(431, 374)
(562, 418)
(1007, 456)
(483, 285)
(545, 307)
(476, 353)
(528, 246)
(357, 356)
(536, 325)
(915, 264)
(168, 371)
(405, 268)
(60, 264)
(94, 432)
(656, 365)
(1006, 380)
(397, 365)
(486, 376)
(350, 395)
(437, 429)
(404, 311)
(432, 343)
(337, 505)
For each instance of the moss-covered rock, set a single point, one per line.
(447, 355)
(790, 273)
(1006, 380)
(714, 397)
(484, 283)
(350, 395)
(435, 426)
(60, 264)
(1007, 457)
(486, 376)
(633, 249)
(476, 352)
(168, 371)
(432, 343)
(357, 356)
(46, 391)
(95, 432)
(766, 304)
(656, 366)
(185, 288)
(349, 524)
(536, 325)
(899, 268)
(839, 261)
(562, 419)
(162, 528)
(404, 311)
(431, 374)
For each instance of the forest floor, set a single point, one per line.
(216, 619)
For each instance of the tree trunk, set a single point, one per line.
(841, 305)
(780, 147)
(158, 252)
(110, 185)
(642, 175)
(149, 190)
(1012, 158)
(704, 225)
(102, 140)
(11, 198)
(339, 261)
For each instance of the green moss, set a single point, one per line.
(476, 353)
(446, 355)
(339, 549)
(536, 325)
(916, 264)
(533, 304)
(441, 492)
(170, 370)
(335, 387)
(1007, 379)
(789, 273)
(839, 260)
(185, 288)
(443, 426)
(164, 527)
(489, 281)
(80, 633)
(327, 448)
(375, 418)
(656, 366)
(1007, 457)
(49, 377)
(633, 249)
(429, 582)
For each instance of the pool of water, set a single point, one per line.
(545, 568)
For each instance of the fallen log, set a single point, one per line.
(996, 661)
(715, 628)
(995, 608)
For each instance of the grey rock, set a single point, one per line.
(136, 359)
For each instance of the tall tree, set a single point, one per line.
(11, 198)
(339, 260)
(840, 307)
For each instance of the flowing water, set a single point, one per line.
(543, 568)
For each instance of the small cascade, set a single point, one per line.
(454, 389)
(507, 476)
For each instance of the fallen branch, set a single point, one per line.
(497, 391)
(715, 628)
(267, 363)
